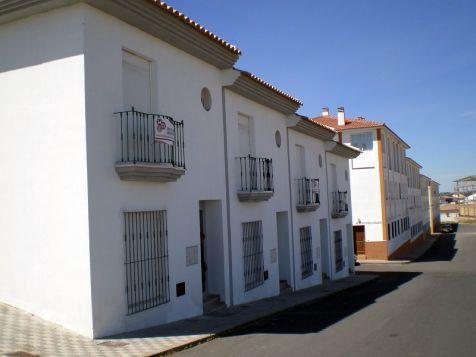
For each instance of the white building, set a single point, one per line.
(414, 201)
(449, 213)
(320, 200)
(425, 203)
(106, 230)
(385, 186)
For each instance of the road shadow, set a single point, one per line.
(443, 249)
(323, 313)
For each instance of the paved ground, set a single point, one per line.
(22, 334)
(426, 308)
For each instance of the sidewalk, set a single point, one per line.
(23, 334)
(413, 255)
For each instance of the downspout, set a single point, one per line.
(291, 211)
(329, 214)
(227, 181)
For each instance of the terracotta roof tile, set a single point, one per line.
(351, 123)
(331, 121)
(270, 86)
(195, 25)
(449, 208)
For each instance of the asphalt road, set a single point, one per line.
(426, 308)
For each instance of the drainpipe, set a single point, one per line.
(329, 236)
(293, 267)
(227, 181)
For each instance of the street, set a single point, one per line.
(426, 308)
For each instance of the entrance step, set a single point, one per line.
(212, 303)
(283, 286)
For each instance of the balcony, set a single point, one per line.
(152, 147)
(308, 199)
(256, 179)
(340, 207)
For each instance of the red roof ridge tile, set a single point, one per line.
(270, 86)
(195, 25)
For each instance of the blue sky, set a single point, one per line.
(410, 63)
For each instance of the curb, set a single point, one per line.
(248, 323)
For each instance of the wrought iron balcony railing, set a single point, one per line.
(256, 178)
(340, 207)
(308, 194)
(152, 147)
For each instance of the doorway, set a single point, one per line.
(359, 240)
(325, 259)
(350, 250)
(284, 253)
(212, 262)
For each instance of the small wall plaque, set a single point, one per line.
(192, 255)
(274, 255)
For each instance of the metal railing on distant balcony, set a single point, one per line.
(307, 191)
(139, 144)
(339, 202)
(256, 174)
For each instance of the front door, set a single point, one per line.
(203, 252)
(359, 240)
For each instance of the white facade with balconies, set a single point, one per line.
(123, 228)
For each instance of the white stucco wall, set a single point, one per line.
(312, 148)
(179, 80)
(265, 123)
(365, 187)
(44, 246)
(335, 224)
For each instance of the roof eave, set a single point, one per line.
(342, 150)
(262, 94)
(141, 14)
(409, 159)
(308, 127)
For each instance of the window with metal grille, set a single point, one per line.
(146, 260)
(339, 256)
(253, 265)
(306, 252)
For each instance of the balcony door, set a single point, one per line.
(246, 148)
(136, 82)
(333, 183)
(300, 162)
(245, 135)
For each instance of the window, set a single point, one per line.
(339, 256)
(362, 141)
(277, 138)
(306, 252)
(137, 84)
(245, 135)
(253, 265)
(206, 99)
(146, 260)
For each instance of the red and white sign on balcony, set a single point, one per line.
(315, 186)
(164, 130)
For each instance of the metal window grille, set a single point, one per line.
(306, 252)
(138, 143)
(339, 256)
(253, 264)
(256, 173)
(307, 191)
(146, 260)
(339, 202)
